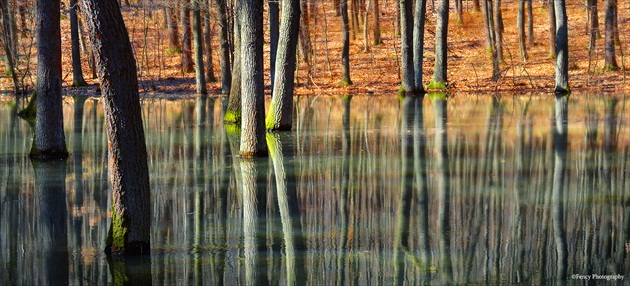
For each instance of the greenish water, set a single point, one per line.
(372, 190)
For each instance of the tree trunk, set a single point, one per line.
(187, 62)
(208, 50)
(345, 50)
(593, 29)
(337, 7)
(274, 24)
(610, 62)
(418, 43)
(129, 232)
(200, 77)
(377, 23)
(77, 72)
(487, 23)
(8, 49)
(498, 30)
(522, 48)
(49, 141)
(562, 48)
(172, 28)
(529, 33)
(552, 28)
(476, 7)
(233, 112)
(406, 46)
(224, 42)
(459, 10)
(439, 80)
(252, 82)
(280, 116)
(305, 38)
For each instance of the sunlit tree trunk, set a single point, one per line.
(280, 116)
(610, 61)
(224, 44)
(377, 22)
(187, 61)
(529, 32)
(172, 27)
(520, 22)
(252, 83)
(498, 30)
(439, 80)
(233, 112)
(200, 77)
(562, 48)
(551, 8)
(49, 140)
(345, 50)
(129, 232)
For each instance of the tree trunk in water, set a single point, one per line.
(208, 50)
(562, 48)
(559, 175)
(377, 23)
(252, 82)
(172, 28)
(439, 80)
(49, 141)
(129, 232)
(200, 77)
(233, 112)
(610, 62)
(406, 46)
(224, 42)
(552, 28)
(418, 43)
(521, 30)
(274, 30)
(280, 116)
(345, 50)
(77, 72)
(187, 62)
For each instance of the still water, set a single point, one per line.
(364, 190)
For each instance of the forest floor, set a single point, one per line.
(375, 71)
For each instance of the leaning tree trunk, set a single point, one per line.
(406, 42)
(252, 82)
(77, 72)
(224, 43)
(200, 77)
(345, 50)
(49, 141)
(418, 42)
(129, 232)
(439, 80)
(280, 116)
(610, 62)
(562, 48)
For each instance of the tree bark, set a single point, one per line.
(529, 33)
(77, 72)
(377, 23)
(562, 48)
(233, 112)
(200, 77)
(498, 30)
(49, 140)
(274, 33)
(187, 61)
(208, 50)
(224, 43)
(552, 28)
(129, 232)
(406, 46)
(280, 116)
(8, 49)
(610, 61)
(593, 29)
(418, 43)
(172, 28)
(252, 82)
(520, 22)
(345, 50)
(439, 80)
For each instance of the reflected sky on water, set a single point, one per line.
(364, 190)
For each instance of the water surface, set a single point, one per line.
(364, 190)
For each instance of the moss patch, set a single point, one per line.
(232, 117)
(437, 85)
(346, 81)
(232, 129)
(117, 233)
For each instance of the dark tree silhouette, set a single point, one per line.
(562, 48)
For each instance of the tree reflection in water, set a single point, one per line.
(366, 190)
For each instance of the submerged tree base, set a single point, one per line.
(37, 154)
(562, 90)
(437, 85)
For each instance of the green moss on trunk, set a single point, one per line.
(117, 237)
(232, 117)
(437, 85)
